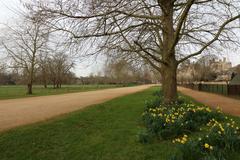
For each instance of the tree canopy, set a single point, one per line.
(163, 33)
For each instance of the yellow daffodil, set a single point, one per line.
(206, 145)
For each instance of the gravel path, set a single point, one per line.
(228, 105)
(17, 112)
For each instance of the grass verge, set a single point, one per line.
(19, 91)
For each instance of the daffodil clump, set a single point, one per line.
(220, 135)
(224, 135)
(181, 140)
(219, 141)
(173, 120)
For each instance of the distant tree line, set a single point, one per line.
(7, 78)
(53, 71)
(121, 72)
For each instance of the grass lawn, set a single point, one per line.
(101, 132)
(18, 91)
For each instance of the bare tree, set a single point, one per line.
(24, 43)
(119, 71)
(122, 72)
(163, 33)
(2, 73)
(59, 68)
(44, 72)
(204, 70)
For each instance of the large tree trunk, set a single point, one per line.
(168, 70)
(29, 86)
(30, 81)
(169, 84)
(31, 73)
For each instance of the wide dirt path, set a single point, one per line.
(24, 111)
(228, 105)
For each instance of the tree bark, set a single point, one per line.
(168, 70)
(31, 77)
(169, 84)
(29, 88)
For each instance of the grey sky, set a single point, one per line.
(8, 13)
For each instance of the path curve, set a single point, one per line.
(17, 112)
(228, 105)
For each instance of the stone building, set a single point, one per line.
(207, 69)
(220, 66)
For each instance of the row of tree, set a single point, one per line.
(53, 71)
(123, 72)
(161, 33)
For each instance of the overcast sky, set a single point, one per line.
(8, 13)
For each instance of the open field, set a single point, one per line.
(106, 132)
(19, 91)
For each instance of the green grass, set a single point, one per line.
(101, 132)
(19, 91)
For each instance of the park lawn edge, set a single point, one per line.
(66, 89)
